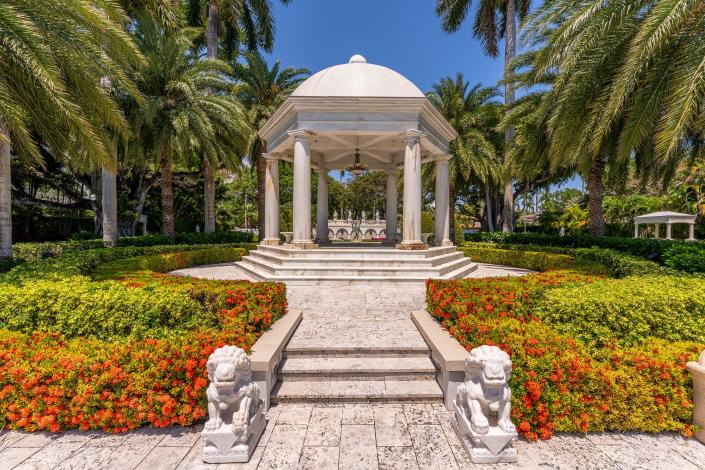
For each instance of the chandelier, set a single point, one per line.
(357, 168)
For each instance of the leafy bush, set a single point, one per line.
(628, 310)
(620, 264)
(560, 383)
(535, 261)
(116, 354)
(688, 257)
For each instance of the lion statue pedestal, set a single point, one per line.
(235, 418)
(483, 405)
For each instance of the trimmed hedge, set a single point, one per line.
(560, 383)
(117, 354)
(533, 260)
(643, 247)
(688, 257)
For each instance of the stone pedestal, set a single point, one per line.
(235, 410)
(493, 447)
(698, 371)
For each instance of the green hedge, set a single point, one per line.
(628, 310)
(642, 247)
(533, 260)
(688, 257)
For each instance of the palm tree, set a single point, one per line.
(494, 20)
(628, 87)
(189, 107)
(262, 90)
(474, 115)
(230, 20)
(53, 55)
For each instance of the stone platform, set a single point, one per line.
(355, 265)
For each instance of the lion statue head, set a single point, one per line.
(490, 364)
(227, 366)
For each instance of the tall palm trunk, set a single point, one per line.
(109, 205)
(510, 51)
(167, 194)
(208, 170)
(261, 174)
(595, 194)
(451, 215)
(488, 209)
(5, 193)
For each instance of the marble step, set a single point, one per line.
(351, 260)
(332, 252)
(357, 391)
(357, 368)
(323, 349)
(343, 269)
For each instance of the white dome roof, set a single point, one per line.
(357, 78)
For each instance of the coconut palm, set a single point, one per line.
(629, 85)
(262, 90)
(53, 55)
(474, 114)
(229, 21)
(188, 107)
(495, 20)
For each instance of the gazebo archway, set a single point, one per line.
(667, 218)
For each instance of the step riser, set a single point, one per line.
(358, 253)
(278, 400)
(303, 263)
(352, 272)
(353, 377)
(333, 353)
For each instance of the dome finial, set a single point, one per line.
(357, 59)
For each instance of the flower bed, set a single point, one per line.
(559, 382)
(128, 350)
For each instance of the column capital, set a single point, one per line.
(321, 169)
(270, 157)
(300, 134)
(392, 171)
(441, 157)
(413, 134)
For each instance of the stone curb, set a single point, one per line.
(267, 353)
(446, 352)
(697, 369)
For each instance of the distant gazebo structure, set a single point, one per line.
(667, 218)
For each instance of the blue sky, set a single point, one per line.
(404, 35)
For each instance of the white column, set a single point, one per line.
(271, 200)
(636, 230)
(668, 231)
(322, 206)
(412, 191)
(391, 207)
(302, 189)
(442, 218)
(691, 231)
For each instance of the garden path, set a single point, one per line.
(346, 436)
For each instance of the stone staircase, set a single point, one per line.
(358, 265)
(370, 374)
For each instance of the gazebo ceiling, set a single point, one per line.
(357, 105)
(665, 217)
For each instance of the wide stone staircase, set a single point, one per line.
(355, 265)
(356, 374)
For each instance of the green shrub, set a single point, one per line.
(620, 264)
(533, 260)
(628, 310)
(688, 257)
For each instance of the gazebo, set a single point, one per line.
(667, 218)
(357, 116)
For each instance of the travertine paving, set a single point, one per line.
(346, 436)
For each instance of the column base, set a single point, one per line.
(444, 243)
(411, 246)
(270, 242)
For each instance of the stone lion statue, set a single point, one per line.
(485, 392)
(234, 407)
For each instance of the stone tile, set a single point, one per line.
(567, 452)
(354, 413)
(357, 447)
(324, 427)
(319, 458)
(694, 451)
(54, 453)
(431, 447)
(35, 439)
(179, 436)
(391, 428)
(653, 451)
(397, 458)
(163, 458)
(127, 456)
(86, 458)
(420, 413)
(8, 438)
(107, 440)
(295, 414)
(13, 456)
(284, 447)
(146, 436)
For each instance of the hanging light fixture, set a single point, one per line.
(357, 168)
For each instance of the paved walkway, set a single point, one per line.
(361, 436)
